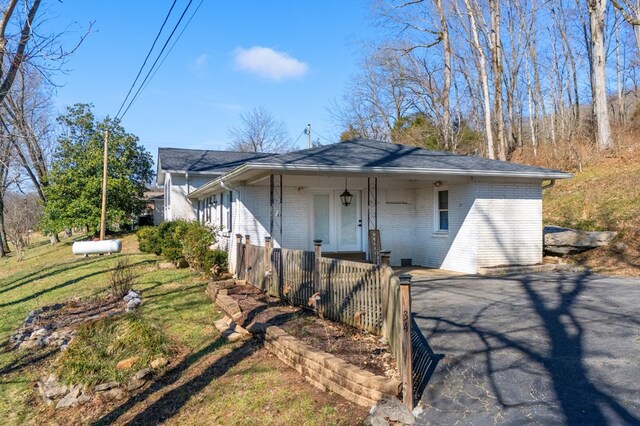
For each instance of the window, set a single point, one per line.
(442, 210)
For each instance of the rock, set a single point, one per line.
(71, 399)
(564, 241)
(131, 295)
(375, 421)
(135, 384)
(390, 410)
(116, 393)
(32, 344)
(106, 386)
(126, 364)
(82, 399)
(41, 332)
(159, 363)
(620, 246)
(143, 374)
(166, 265)
(133, 304)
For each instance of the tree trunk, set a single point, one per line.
(446, 89)
(484, 79)
(596, 10)
(619, 65)
(496, 61)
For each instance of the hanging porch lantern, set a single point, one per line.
(346, 196)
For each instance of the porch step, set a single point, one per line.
(354, 256)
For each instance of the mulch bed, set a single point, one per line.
(357, 347)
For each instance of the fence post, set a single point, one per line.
(385, 286)
(267, 264)
(239, 256)
(247, 259)
(316, 267)
(407, 368)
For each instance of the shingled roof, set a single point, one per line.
(374, 157)
(199, 160)
(369, 155)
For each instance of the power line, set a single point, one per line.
(184, 12)
(173, 45)
(153, 45)
(328, 140)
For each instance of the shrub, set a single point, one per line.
(215, 262)
(180, 240)
(196, 241)
(149, 240)
(122, 278)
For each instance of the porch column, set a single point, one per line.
(275, 199)
(372, 221)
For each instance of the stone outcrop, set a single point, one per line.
(560, 241)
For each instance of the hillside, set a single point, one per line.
(604, 196)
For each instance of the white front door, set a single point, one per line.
(349, 224)
(339, 227)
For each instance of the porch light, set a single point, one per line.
(346, 196)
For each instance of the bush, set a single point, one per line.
(196, 242)
(216, 262)
(180, 240)
(149, 240)
(122, 278)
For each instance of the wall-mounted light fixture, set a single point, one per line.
(346, 196)
(437, 184)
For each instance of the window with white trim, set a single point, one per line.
(442, 210)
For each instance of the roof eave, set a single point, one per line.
(235, 174)
(413, 171)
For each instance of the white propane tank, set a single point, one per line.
(96, 247)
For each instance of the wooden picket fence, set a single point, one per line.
(362, 295)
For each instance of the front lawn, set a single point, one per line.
(208, 380)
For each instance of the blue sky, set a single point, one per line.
(290, 57)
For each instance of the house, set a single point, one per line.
(430, 208)
(181, 171)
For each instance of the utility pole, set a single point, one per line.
(308, 135)
(103, 218)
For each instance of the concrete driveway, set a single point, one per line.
(542, 348)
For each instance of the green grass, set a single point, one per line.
(92, 357)
(605, 196)
(208, 378)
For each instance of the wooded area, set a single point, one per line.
(489, 77)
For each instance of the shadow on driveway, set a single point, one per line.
(539, 348)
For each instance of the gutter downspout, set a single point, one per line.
(186, 175)
(550, 185)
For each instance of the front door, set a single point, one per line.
(349, 224)
(339, 227)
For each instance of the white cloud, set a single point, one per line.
(268, 63)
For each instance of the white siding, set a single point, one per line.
(491, 222)
(454, 250)
(177, 189)
(509, 216)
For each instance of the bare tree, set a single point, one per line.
(597, 9)
(259, 131)
(22, 214)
